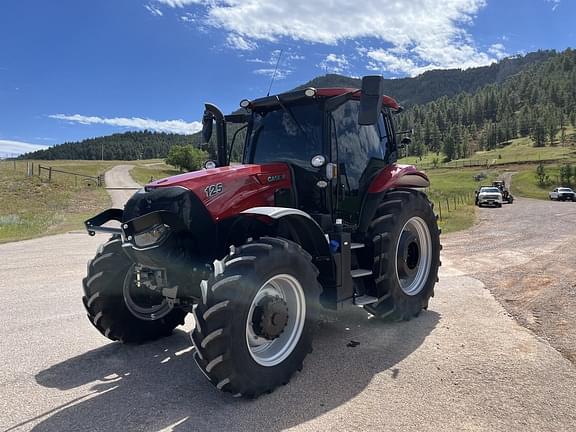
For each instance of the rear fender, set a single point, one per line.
(392, 177)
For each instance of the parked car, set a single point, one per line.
(489, 195)
(562, 194)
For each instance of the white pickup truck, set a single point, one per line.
(562, 194)
(489, 195)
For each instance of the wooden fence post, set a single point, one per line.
(440, 209)
(49, 174)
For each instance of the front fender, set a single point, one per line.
(297, 224)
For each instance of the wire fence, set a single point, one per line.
(471, 163)
(445, 204)
(48, 173)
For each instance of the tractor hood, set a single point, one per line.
(227, 191)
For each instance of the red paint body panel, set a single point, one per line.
(337, 91)
(397, 175)
(243, 186)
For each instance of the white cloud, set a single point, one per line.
(187, 18)
(9, 148)
(238, 42)
(388, 61)
(498, 50)
(153, 10)
(269, 72)
(555, 4)
(414, 35)
(172, 126)
(334, 63)
(178, 3)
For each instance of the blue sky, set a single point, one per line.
(73, 69)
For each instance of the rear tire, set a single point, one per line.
(406, 254)
(104, 299)
(255, 321)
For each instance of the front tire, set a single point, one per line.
(406, 254)
(116, 314)
(255, 321)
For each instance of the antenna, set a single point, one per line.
(275, 70)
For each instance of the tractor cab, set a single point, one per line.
(334, 141)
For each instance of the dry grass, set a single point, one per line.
(30, 206)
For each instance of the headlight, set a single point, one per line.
(154, 235)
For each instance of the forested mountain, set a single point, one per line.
(121, 146)
(539, 102)
(453, 111)
(434, 84)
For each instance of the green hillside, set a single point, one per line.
(435, 84)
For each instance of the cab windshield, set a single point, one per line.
(292, 134)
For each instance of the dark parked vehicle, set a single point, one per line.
(506, 195)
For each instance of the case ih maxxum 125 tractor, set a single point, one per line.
(318, 215)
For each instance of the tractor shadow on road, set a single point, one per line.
(156, 386)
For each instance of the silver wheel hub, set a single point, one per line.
(275, 320)
(413, 256)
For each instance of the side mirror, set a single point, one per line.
(371, 99)
(207, 124)
(405, 142)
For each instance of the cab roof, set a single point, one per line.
(326, 92)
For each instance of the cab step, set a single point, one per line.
(365, 300)
(358, 273)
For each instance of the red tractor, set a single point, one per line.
(318, 215)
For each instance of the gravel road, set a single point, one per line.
(525, 253)
(464, 365)
(119, 176)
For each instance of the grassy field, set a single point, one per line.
(518, 151)
(32, 207)
(525, 183)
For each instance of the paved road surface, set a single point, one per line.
(464, 365)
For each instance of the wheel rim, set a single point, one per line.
(148, 305)
(283, 290)
(413, 256)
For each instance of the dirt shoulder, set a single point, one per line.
(525, 253)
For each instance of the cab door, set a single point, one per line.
(359, 152)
